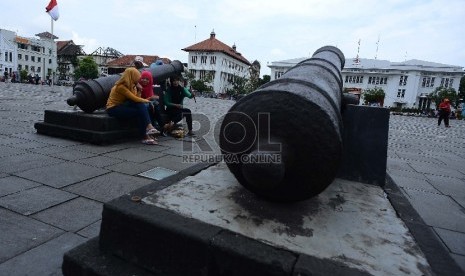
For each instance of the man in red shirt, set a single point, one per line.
(444, 112)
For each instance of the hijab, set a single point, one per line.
(147, 90)
(129, 79)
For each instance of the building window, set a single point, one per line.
(20, 56)
(33, 58)
(20, 67)
(6, 56)
(194, 59)
(203, 74)
(278, 74)
(203, 60)
(403, 80)
(400, 93)
(427, 82)
(49, 61)
(38, 69)
(26, 57)
(212, 60)
(39, 59)
(354, 79)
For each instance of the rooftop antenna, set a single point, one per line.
(195, 33)
(377, 45)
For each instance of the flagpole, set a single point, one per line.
(51, 52)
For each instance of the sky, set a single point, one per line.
(263, 30)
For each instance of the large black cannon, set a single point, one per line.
(91, 95)
(284, 141)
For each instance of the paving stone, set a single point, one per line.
(72, 155)
(130, 168)
(170, 162)
(455, 241)
(13, 184)
(45, 259)
(460, 260)
(438, 210)
(436, 170)
(107, 187)
(134, 155)
(72, 215)
(414, 184)
(34, 200)
(28, 145)
(97, 149)
(22, 162)
(61, 175)
(99, 161)
(91, 231)
(20, 233)
(9, 151)
(47, 139)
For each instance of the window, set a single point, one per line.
(427, 82)
(203, 59)
(20, 67)
(278, 74)
(33, 58)
(38, 69)
(11, 56)
(20, 56)
(354, 79)
(39, 59)
(49, 61)
(6, 56)
(26, 57)
(403, 80)
(400, 93)
(194, 59)
(212, 60)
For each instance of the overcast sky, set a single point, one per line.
(263, 30)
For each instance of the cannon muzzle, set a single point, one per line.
(284, 140)
(93, 94)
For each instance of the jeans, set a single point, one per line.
(176, 115)
(129, 110)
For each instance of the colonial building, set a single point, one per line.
(406, 84)
(120, 64)
(35, 55)
(68, 54)
(221, 63)
(102, 56)
(8, 53)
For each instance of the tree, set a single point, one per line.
(462, 88)
(266, 79)
(374, 95)
(441, 92)
(23, 75)
(87, 69)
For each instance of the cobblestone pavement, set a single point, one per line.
(52, 190)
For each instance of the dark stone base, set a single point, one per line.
(365, 141)
(95, 128)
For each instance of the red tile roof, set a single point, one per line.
(61, 44)
(128, 60)
(214, 45)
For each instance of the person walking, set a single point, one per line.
(444, 112)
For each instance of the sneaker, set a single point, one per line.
(191, 133)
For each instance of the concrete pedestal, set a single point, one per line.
(207, 224)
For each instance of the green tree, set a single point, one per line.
(23, 75)
(87, 69)
(265, 79)
(374, 95)
(441, 92)
(462, 88)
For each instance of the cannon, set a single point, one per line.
(284, 141)
(91, 95)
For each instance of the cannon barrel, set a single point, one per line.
(93, 94)
(284, 140)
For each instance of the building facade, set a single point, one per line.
(406, 84)
(212, 59)
(8, 53)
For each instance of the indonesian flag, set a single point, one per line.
(52, 9)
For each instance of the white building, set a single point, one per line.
(212, 57)
(37, 56)
(8, 53)
(406, 84)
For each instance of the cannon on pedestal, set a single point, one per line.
(91, 95)
(284, 141)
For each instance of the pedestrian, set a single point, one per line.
(124, 102)
(444, 112)
(174, 98)
(146, 81)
